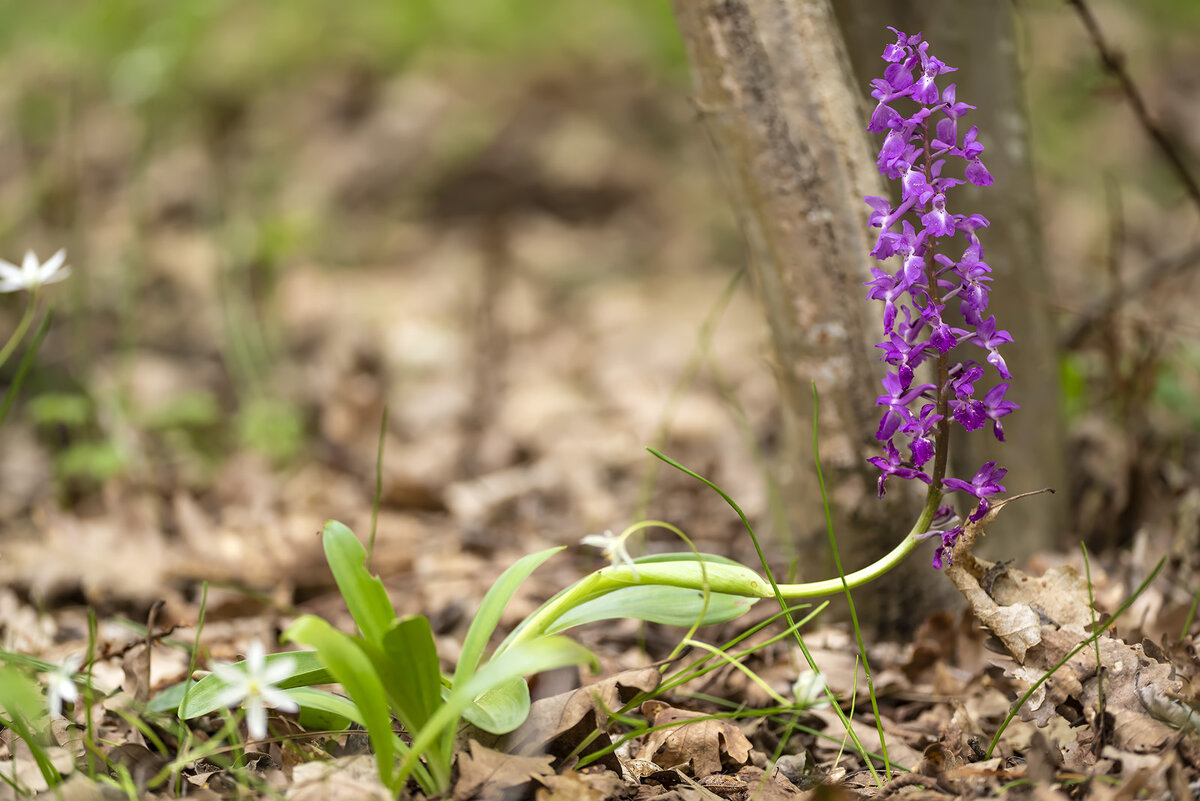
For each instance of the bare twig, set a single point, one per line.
(1104, 307)
(1114, 63)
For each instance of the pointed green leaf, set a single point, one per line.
(491, 608)
(686, 556)
(354, 671)
(500, 709)
(408, 666)
(20, 697)
(721, 576)
(671, 606)
(365, 596)
(523, 659)
(325, 710)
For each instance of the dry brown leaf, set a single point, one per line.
(775, 787)
(571, 785)
(353, 778)
(700, 744)
(486, 774)
(558, 724)
(1136, 687)
(1060, 595)
(80, 788)
(898, 752)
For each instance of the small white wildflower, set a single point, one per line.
(32, 273)
(613, 548)
(809, 690)
(254, 687)
(60, 685)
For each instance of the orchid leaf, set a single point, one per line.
(364, 593)
(352, 668)
(500, 709)
(523, 659)
(492, 607)
(670, 606)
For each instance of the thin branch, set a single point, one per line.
(1103, 308)
(1114, 63)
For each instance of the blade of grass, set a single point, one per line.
(837, 561)
(781, 601)
(378, 487)
(363, 591)
(89, 722)
(1087, 567)
(23, 368)
(22, 328)
(1191, 615)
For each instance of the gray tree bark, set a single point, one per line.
(777, 92)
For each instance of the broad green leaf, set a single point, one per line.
(354, 671)
(333, 712)
(168, 700)
(671, 606)
(31, 662)
(202, 698)
(722, 577)
(491, 608)
(22, 710)
(408, 666)
(21, 698)
(487, 617)
(523, 659)
(686, 556)
(668, 569)
(500, 709)
(364, 594)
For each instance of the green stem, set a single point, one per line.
(712, 577)
(817, 589)
(19, 333)
(589, 587)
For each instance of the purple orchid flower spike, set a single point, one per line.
(927, 152)
(893, 465)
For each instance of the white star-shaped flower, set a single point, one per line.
(613, 547)
(33, 273)
(254, 687)
(60, 685)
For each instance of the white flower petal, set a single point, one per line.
(54, 278)
(51, 265)
(278, 670)
(229, 673)
(60, 685)
(29, 266)
(256, 719)
(230, 696)
(279, 699)
(10, 273)
(32, 273)
(255, 658)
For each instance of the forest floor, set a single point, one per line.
(536, 278)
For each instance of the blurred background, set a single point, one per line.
(502, 221)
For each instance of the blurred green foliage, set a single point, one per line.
(272, 427)
(142, 49)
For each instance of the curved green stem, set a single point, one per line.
(587, 588)
(817, 589)
(19, 332)
(710, 577)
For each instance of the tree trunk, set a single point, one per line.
(979, 37)
(777, 92)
